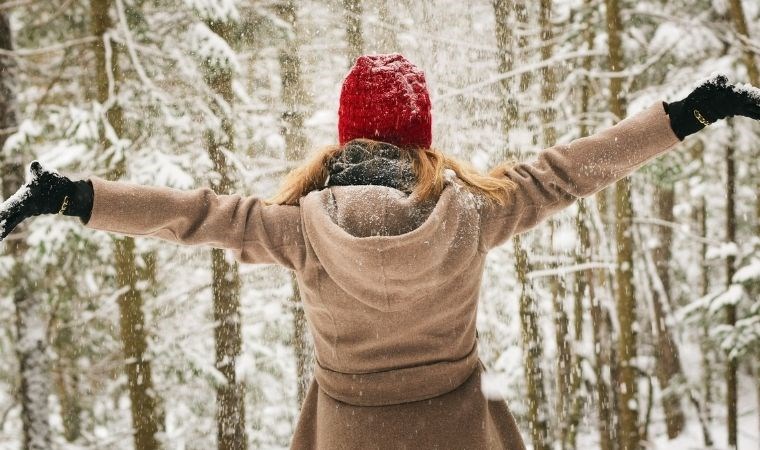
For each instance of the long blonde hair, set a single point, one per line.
(428, 166)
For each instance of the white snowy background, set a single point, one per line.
(669, 46)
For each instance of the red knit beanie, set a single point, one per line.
(385, 98)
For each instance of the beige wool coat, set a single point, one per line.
(390, 284)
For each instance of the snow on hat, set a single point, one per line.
(385, 98)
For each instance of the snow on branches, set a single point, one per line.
(211, 49)
(221, 10)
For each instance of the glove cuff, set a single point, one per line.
(683, 120)
(80, 203)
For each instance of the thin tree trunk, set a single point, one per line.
(388, 40)
(31, 344)
(293, 99)
(584, 282)
(146, 419)
(753, 72)
(532, 341)
(628, 435)
(602, 338)
(538, 411)
(34, 363)
(353, 15)
(145, 416)
(230, 396)
(66, 382)
(703, 408)
(667, 360)
(730, 310)
(740, 24)
(561, 321)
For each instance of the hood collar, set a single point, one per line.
(387, 249)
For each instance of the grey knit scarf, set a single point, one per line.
(382, 165)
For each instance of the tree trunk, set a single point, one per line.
(667, 360)
(561, 321)
(584, 282)
(230, 396)
(538, 411)
(388, 40)
(146, 419)
(352, 10)
(740, 24)
(730, 310)
(31, 343)
(753, 72)
(66, 383)
(628, 405)
(700, 216)
(293, 100)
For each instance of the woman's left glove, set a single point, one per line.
(711, 101)
(47, 193)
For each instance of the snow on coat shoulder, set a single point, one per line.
(388, 249)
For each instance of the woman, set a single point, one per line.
(388, 240)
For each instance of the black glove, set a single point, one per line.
(47, 193)
(711, 101)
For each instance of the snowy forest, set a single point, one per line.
(652, 285)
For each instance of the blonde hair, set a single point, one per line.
(428, 166)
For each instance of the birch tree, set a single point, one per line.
(31, 342)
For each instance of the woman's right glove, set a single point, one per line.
(47, 193)
(711, 101)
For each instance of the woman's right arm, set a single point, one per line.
(562, 174)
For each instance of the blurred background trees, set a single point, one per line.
(629, 320)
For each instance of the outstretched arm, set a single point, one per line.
(255, 232)
(564, 173)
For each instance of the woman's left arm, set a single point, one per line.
(562, 174)
(254, 231)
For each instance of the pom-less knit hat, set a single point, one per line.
(385, 98)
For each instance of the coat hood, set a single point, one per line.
(392, 249)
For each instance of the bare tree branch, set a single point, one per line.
(23, 53)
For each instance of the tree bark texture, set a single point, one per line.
(628, 434)
(740, 25)
(732, 364)
(388, 40)
(753, 72)
(564, 386)
(146, 419)
(584, 283)
(294, 100)
(538, 411)
(667, 360)
(31, 342)
(230, 396)
(352, 10)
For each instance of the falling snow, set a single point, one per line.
(66, 344)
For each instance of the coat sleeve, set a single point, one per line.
(564, 173)
(254, 231)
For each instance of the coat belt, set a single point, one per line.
(392, 387)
